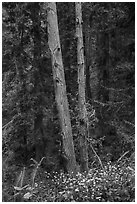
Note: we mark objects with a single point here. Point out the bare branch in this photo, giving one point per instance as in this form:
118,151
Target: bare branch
122,156
109,103
113,89
96,155
7,124
129,123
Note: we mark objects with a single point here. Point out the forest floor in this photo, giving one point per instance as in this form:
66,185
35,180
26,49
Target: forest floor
114,183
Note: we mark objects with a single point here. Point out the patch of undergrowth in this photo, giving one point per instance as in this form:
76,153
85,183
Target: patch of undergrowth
116,183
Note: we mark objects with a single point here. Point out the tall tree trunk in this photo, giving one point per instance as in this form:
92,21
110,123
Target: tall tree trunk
87,32
81,89
106,68
93,67
103,48
38,136
60,86
92,71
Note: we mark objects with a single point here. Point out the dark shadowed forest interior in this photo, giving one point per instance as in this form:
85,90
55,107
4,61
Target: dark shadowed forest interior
68,101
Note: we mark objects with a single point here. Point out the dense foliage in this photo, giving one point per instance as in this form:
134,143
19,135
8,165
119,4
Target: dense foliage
30,119
114,183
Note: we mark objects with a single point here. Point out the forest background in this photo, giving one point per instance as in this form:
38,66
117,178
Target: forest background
96,141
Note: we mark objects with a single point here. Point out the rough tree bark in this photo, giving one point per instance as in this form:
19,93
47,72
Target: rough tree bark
92,68
92,71
81,89
38,125
60,86
87,31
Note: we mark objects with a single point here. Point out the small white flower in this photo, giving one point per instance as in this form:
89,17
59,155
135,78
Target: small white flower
27,195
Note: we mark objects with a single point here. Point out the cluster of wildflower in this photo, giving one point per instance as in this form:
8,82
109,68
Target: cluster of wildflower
114,184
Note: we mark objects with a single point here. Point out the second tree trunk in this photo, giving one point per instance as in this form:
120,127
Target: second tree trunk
83,120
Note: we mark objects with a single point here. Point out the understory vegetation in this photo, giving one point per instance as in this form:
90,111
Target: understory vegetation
113,183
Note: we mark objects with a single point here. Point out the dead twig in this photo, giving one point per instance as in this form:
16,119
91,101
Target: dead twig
7,124
21,178
36,164
122,156
109,103
129,123
100,162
